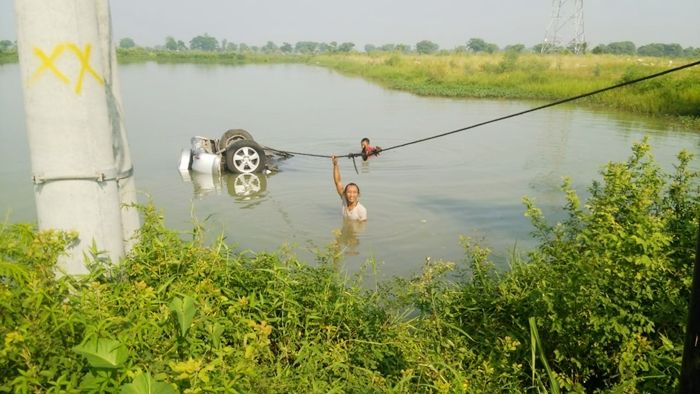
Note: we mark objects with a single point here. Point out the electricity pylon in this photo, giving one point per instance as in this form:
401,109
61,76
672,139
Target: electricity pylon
565,29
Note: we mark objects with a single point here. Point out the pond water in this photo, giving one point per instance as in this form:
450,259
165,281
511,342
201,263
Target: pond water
420,198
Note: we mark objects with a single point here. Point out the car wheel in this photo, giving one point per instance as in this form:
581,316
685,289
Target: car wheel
245,156
233,135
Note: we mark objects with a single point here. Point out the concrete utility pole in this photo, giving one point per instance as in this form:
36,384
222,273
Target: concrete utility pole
81,166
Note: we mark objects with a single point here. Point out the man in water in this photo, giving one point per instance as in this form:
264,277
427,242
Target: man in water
350,195
368,150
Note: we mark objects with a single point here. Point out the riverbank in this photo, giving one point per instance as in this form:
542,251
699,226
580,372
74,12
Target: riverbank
537,77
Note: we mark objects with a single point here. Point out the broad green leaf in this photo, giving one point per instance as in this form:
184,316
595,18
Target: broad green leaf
103,353
145,384
184,311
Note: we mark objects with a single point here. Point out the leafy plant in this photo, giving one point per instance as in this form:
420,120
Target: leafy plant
103,353
184,310
145,384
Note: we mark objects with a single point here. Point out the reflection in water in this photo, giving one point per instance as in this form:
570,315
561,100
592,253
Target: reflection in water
242,187
245,186
347,237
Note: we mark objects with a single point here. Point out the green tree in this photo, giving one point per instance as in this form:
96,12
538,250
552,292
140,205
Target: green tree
476,45
369,48
691,52
126,43
6,45
286,48
403,48
231,47
346,47
326,48
479,45
204,43
426,47
600,49
270,47
306,47
622,48
170,43
660,50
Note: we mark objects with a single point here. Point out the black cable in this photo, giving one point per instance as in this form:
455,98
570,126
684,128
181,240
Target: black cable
566,100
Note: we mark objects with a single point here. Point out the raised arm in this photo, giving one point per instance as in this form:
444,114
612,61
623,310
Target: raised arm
336,176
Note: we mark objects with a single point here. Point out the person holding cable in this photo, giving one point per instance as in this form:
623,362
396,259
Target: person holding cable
369,150
350,196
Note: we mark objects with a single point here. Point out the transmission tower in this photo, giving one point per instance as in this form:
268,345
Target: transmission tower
565,29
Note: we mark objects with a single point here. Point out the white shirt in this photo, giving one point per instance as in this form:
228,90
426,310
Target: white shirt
359,212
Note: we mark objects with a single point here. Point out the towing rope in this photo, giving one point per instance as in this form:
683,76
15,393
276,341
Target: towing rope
566,100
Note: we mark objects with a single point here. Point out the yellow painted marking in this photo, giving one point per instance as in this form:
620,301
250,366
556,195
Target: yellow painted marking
84,58
47,63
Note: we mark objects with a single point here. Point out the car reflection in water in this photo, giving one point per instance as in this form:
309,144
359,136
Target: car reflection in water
247,187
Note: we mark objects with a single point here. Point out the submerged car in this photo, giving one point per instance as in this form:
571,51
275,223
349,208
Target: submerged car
236,151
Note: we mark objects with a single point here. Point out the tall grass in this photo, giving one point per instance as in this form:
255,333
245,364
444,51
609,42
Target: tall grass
533,76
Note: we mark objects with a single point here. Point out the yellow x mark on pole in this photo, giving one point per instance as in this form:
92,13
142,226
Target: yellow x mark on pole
48,63
84,58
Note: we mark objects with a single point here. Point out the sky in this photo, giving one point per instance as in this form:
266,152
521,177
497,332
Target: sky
449,23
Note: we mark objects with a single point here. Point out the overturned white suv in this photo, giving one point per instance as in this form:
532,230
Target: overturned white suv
236,151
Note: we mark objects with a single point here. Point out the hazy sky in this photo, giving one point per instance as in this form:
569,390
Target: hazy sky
448,23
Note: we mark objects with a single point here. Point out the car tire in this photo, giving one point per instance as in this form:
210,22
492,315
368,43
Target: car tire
245,156
233,135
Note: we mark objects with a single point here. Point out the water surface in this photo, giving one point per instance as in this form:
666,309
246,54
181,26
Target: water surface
420,198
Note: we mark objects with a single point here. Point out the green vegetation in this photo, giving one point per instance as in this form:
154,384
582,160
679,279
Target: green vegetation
533,76
599,305
136,55
9,56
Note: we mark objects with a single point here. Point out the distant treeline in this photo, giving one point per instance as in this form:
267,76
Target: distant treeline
474,45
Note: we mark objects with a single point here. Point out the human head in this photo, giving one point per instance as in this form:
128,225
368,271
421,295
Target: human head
351,192
364,142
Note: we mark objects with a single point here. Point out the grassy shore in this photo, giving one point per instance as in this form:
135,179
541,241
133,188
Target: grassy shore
534,76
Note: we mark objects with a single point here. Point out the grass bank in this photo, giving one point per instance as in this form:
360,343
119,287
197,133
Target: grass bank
599,305
534,76
8,57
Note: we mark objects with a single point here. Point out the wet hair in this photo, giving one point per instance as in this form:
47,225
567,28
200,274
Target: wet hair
364,139
351,184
